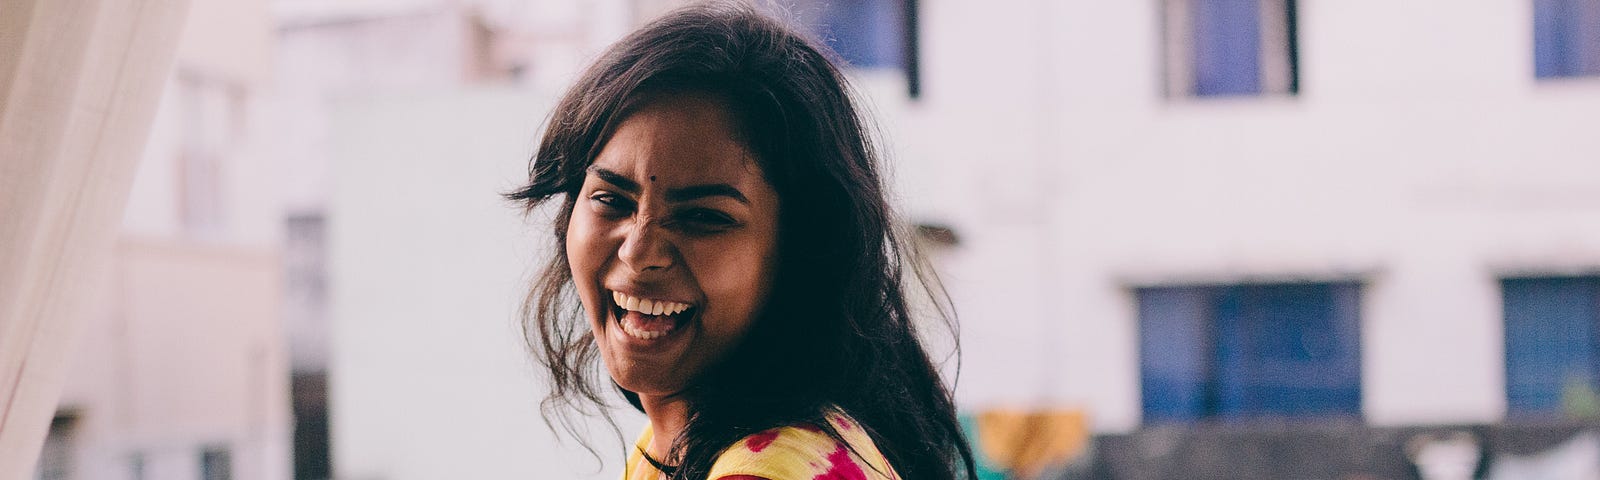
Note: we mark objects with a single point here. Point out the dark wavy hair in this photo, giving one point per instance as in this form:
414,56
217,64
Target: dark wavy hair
838,329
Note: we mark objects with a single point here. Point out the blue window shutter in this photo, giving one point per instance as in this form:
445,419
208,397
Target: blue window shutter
1230,318
1227,47
865,33
1553,32
1174,335
1566,38
1305,351
1343,362
1243,352
1550,340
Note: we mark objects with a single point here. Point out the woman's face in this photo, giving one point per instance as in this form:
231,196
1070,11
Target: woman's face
672,243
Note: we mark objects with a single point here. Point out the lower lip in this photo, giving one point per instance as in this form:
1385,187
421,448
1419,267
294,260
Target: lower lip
616,318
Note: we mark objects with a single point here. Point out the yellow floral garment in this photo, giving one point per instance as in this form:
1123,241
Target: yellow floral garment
796,452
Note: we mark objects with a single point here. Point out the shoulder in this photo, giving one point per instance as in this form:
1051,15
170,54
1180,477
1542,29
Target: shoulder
804,452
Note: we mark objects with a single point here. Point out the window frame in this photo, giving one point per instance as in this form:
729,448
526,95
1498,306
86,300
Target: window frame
1574,57
1191,348
1516,334
1277,56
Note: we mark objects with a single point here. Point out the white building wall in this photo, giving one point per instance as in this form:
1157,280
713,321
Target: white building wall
226,46
187,355
327,55
430,377
428,374
330,53
1421,157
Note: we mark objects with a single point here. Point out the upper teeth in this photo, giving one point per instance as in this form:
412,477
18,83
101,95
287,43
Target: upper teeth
648,306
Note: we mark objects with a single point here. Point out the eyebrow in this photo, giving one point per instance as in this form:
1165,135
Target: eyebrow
681,194
614,178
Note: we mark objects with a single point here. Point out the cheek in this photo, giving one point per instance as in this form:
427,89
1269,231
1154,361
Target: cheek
585,256
736,276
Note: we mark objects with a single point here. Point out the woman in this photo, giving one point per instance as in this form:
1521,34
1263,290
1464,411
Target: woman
724,232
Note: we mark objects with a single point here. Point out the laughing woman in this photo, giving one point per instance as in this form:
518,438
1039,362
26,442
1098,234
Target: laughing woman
725,248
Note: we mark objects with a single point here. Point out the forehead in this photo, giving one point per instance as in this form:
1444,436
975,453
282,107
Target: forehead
679,139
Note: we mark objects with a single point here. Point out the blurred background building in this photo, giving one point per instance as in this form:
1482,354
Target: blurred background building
1186,238
184,374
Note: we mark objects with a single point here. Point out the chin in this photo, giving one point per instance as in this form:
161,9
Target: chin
647,387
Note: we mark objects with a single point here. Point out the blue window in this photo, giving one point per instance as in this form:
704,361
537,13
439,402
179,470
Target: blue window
869,34
1552,342
1242,352
866,33
1231,47
1566,38
1227,47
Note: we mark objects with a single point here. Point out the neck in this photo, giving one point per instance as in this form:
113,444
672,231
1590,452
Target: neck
668,417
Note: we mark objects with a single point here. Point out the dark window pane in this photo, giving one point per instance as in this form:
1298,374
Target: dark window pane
1297,349
1550,341
311,455
136,466
57,454
216,463
1250,351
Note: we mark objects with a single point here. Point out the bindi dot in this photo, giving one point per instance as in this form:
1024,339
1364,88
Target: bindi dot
652,178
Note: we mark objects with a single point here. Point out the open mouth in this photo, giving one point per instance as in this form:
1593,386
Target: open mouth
649,319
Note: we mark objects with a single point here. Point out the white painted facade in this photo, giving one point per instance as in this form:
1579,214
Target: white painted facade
213,103
186,356
334,52
429,375
1421,158
396,123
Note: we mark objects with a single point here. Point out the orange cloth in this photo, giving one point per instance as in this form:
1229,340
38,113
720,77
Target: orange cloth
1025,443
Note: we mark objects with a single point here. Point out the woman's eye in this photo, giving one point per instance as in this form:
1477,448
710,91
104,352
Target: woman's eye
610,203
702,219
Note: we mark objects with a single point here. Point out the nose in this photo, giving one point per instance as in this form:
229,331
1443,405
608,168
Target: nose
646,248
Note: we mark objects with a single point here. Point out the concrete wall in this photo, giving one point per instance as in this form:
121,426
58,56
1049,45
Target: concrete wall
187,354
225,53
1422,157
429,377
323,58
330,53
